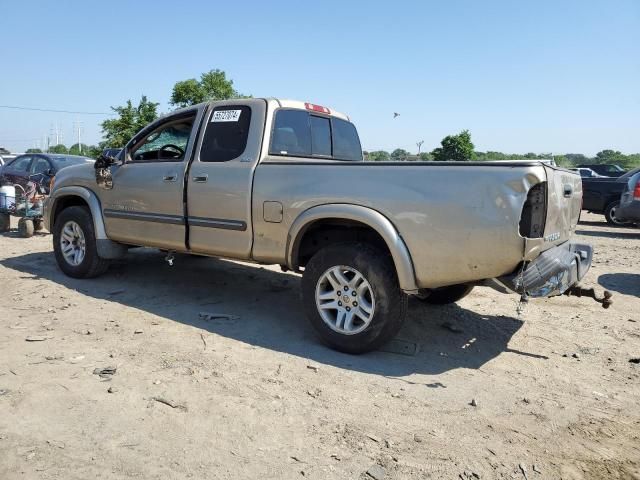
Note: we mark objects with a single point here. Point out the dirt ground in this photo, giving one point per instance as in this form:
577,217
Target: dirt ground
467,391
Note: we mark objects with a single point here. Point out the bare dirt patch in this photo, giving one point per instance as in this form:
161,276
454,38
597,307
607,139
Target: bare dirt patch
208,369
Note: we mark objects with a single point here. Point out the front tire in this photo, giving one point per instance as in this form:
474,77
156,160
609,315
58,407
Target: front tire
352,297
447,295
74,244
610,215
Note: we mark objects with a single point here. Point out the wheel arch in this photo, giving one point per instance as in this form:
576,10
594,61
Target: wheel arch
362,218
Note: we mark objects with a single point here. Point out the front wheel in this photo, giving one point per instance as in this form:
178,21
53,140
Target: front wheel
610,215
351,296
74,244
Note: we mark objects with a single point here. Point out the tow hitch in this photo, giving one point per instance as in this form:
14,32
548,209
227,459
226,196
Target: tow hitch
578,291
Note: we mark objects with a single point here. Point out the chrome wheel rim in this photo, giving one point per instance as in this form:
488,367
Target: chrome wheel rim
72,243
345,300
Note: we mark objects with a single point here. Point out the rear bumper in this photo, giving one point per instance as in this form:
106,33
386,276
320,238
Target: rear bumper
552,272
629,212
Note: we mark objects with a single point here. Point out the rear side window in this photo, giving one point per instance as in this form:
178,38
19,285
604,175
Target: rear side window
20,164
227,133
300,134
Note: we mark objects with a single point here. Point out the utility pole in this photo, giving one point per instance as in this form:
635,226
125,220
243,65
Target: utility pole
77,126
419,144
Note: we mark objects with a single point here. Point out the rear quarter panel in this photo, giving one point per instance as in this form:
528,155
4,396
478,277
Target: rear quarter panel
459,221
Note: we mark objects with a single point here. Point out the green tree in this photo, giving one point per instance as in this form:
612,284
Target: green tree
58,149
92,151
213,85
609,156
33,150
76,150
399,154
379,156
426,157
118,131
458,148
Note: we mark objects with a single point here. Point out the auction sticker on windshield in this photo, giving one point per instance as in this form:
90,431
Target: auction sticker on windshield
226,116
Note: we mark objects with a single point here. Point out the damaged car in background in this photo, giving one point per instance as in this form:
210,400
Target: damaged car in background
284,182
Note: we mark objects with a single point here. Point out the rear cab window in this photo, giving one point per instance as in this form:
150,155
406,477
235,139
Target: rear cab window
299,133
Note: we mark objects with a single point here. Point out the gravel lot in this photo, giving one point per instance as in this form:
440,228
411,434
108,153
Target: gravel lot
467,391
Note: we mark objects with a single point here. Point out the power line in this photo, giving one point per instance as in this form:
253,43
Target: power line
54,111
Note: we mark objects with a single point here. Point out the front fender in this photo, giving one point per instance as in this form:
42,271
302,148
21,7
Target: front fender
367,216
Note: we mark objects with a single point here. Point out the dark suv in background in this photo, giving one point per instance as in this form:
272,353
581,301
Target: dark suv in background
602,195
606,169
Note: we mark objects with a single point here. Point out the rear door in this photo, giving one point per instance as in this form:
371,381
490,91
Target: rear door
564,202
220,178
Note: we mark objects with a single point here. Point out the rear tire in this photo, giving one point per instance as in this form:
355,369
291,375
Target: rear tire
447,295
25,227
353,272
610,215
77,224
5,222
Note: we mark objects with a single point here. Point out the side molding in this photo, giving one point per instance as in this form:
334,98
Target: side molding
107,248
367,216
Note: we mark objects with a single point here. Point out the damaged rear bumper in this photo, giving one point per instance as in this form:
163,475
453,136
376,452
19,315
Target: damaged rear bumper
552,273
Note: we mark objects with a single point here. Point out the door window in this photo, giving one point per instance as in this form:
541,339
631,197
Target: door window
20,164
167,143
40,165
227,133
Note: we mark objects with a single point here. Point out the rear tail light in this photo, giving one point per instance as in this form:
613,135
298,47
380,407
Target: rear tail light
317,108
636,191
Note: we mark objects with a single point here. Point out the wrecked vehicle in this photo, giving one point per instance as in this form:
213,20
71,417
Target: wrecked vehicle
284,182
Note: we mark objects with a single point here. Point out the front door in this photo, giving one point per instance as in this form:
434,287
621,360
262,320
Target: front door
145,206
221,177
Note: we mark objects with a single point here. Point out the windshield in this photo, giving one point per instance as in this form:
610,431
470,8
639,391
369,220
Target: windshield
61,162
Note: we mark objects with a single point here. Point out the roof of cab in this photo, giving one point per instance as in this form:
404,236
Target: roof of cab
273,102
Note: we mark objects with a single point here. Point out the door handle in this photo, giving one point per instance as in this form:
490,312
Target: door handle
170,178
201,178
568,191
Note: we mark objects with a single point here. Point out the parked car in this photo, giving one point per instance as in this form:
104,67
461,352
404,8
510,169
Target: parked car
606,169
602,195
37,167
629,210
284,182
586,173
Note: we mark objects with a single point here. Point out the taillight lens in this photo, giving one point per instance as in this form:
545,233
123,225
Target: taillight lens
636,192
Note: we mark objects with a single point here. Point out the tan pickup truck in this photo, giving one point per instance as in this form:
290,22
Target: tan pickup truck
284,182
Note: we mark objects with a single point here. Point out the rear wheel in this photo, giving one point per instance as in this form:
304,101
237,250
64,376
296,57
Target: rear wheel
74,244
610,214
5,222
351,296
25,227
446,295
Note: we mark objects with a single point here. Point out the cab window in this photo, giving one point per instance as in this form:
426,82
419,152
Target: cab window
227,133
40,165
167,143
20,164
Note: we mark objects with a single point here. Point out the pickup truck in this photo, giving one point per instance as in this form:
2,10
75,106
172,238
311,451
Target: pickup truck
283,182
602,195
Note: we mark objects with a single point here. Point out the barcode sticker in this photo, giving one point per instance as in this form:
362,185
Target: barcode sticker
226,116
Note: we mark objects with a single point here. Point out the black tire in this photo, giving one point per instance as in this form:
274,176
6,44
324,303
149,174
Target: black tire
609,214
379,271
5,222
25,227
91,265
446,295
38,224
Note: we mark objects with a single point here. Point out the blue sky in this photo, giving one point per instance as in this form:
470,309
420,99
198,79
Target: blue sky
543,76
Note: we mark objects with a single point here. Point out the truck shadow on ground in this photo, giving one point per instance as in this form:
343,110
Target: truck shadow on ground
608,234
269,312
625,283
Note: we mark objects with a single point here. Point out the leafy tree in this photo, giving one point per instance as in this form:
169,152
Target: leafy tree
33,150
213,85
576,158
76,150
379,156
455,147
118,131
609,156
426,157
399,154
4,151
92,151
58,149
